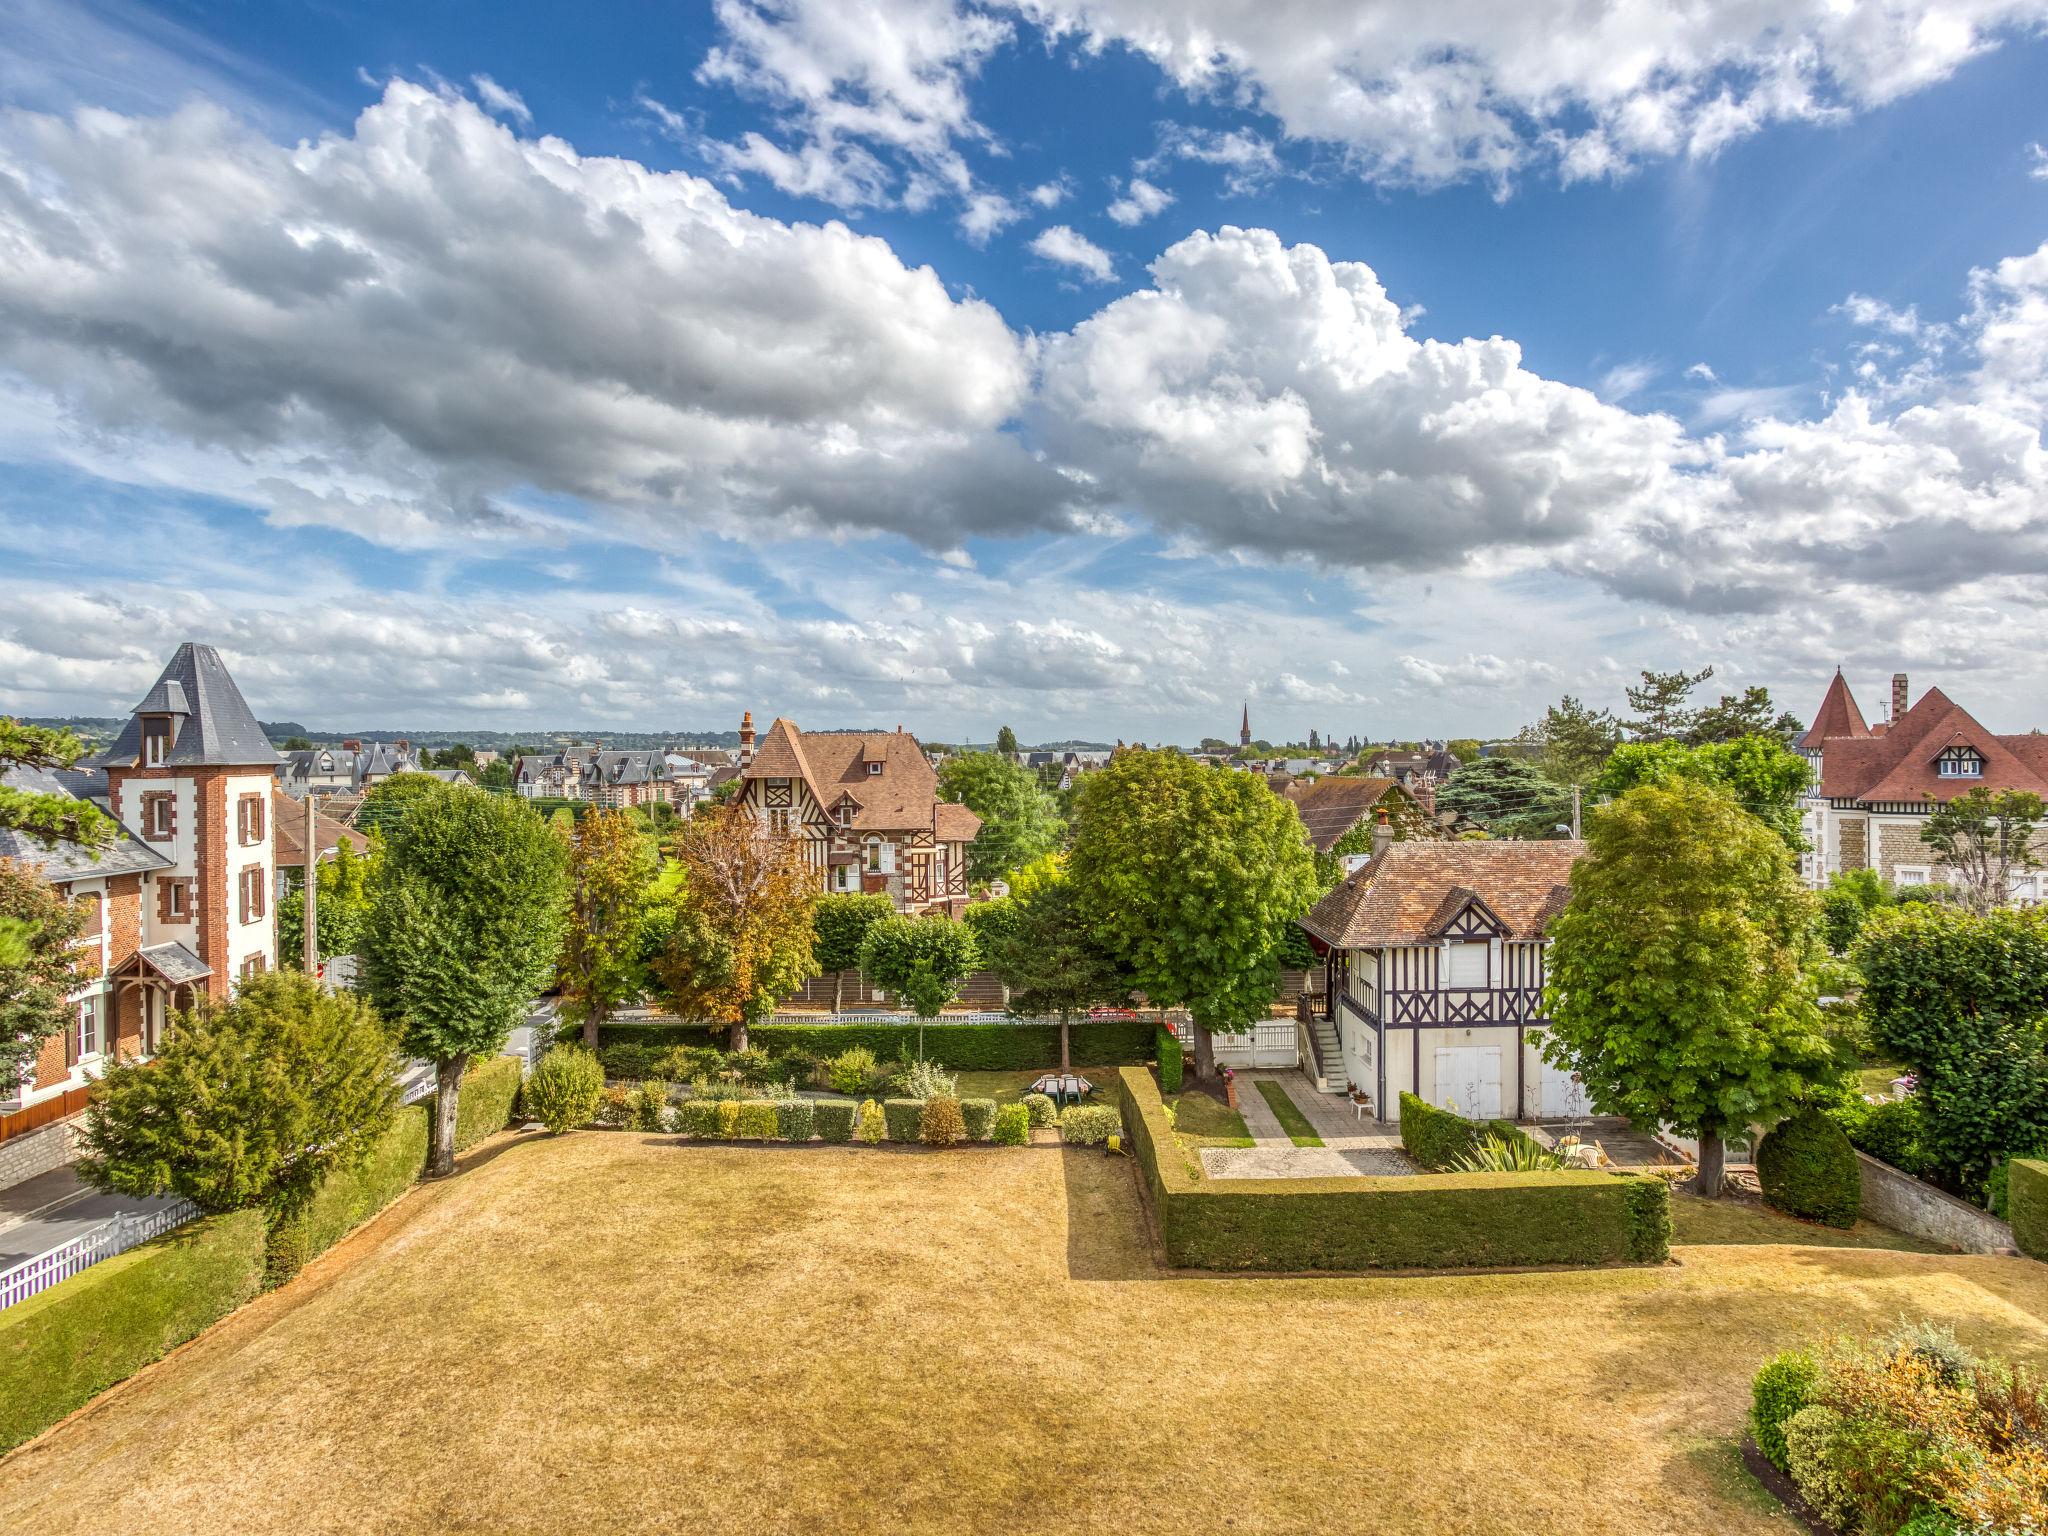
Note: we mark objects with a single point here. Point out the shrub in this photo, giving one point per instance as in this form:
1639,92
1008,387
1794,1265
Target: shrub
683,1063
2027,1204
648,1106
1889,1132
1041,1109
756,1121
699,1118
873,1124
1931,1521
1495,1153
1812,1442
903,1117
833,1119
728,1118
565,1088
924,1080
1089,1125
794,1119
1435,1138
630,1062
483,1105
721,1088
1781,1389
963,1047
851,1070
1806,1167
615,1108
1171,1066
348,1198
942,1124
979,1116
1012,1126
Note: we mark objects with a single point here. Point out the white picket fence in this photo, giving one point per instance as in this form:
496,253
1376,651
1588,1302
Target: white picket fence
1268,1043
117,1234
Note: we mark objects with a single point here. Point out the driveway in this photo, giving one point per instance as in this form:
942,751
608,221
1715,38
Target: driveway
1352,1148
50,1209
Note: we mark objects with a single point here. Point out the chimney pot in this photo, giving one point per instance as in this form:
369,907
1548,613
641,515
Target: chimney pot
1898,694
1382,833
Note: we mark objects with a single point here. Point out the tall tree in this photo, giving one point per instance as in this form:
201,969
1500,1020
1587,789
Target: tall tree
253,1102
1677,969
842,921
48,818
1049,958
610,870
1660,703
1985,837
1759,773
1006,742
1186,874
495,776
386,804
1019,820
922,960
346,881
464,928
1508,797
37,926
1750,714
1572,741
742,938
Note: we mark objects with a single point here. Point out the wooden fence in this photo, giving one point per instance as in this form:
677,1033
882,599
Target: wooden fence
45,1112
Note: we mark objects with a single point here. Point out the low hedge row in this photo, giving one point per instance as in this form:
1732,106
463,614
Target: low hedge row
1430,1221
347,1200
484,1106
1439,1140
830,1120
962,1047
60,1349
2026,1203
1166,1047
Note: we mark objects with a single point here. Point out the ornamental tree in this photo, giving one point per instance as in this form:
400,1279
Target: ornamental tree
842,921
464,928
923,960
741,937
37,926
1759,773
1985,837
610,870
1049,958
254,1102
1508,796
1677,969
1019,820
1962,999
1185,873
49,818
345,885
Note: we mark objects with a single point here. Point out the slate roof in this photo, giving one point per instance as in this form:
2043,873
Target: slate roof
66,861
216,728
1900,765
904,796
174,962
1409,891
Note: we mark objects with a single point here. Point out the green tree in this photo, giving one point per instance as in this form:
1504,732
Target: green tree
1006,742
741,936
1758,772
1048,956
1185,873
1852,895
1660,703
842,921
37,926
922,960
1677,988
464,927
1508,797
345,884
296,744
1019,820
254,1102
386,804
496,776
1572,741
610,870
1464,748
48,818
1962,999
1985,837
1750,714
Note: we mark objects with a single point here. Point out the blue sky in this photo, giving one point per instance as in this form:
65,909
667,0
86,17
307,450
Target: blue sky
508,365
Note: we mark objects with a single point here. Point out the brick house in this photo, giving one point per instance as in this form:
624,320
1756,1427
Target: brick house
1334,807
1874,785
610,779
1419,773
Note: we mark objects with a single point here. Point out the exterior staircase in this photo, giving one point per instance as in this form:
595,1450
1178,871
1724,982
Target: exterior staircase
1323,1059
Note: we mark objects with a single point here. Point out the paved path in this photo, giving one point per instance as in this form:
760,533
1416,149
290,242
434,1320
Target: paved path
1351,1148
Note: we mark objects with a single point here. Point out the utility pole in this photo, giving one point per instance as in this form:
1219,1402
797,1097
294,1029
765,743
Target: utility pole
311,888
1575,811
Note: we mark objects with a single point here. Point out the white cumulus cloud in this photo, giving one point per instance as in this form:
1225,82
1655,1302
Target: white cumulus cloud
1066,247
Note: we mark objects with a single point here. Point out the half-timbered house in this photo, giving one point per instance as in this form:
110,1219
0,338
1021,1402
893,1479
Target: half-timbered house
1434,956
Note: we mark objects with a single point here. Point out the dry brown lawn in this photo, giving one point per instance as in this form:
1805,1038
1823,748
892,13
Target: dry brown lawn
613,1333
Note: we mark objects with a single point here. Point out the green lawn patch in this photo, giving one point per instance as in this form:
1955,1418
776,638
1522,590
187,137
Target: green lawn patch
1709,1222
1289,1114
1202,1121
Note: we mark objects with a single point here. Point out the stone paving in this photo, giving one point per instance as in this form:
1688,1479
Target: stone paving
1351,1147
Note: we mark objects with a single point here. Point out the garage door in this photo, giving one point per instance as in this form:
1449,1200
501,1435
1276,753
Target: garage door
1468,1080
1561,1095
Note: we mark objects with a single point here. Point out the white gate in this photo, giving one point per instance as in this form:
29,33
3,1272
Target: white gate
1268,1043
1468,1080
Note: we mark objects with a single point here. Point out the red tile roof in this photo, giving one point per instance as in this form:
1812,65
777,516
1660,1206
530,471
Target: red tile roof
904,796
1405,894
1901,766
1838,716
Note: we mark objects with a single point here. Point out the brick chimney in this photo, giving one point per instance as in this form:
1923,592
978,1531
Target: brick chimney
1382,833
1898,695
746,738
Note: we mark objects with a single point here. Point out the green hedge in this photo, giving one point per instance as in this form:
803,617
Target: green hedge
904,1117
1806,1167
960,1047
1432,1221
834,1119
1434,1137
1166,1045
347,1200
2027,1201
979,1116
483,1106
59,1349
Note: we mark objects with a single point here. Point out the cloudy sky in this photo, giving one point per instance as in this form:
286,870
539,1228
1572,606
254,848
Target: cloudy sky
1086,365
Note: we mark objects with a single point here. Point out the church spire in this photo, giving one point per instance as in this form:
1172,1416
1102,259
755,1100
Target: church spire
1244,732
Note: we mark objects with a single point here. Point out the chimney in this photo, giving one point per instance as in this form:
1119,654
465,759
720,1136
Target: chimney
1382,833
746,738
1898,695
352,746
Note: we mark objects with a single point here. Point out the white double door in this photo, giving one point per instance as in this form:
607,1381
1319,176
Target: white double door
1468,1080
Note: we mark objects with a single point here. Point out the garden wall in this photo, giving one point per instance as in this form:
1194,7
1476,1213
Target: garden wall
1431,1221
958,1047
1898,1200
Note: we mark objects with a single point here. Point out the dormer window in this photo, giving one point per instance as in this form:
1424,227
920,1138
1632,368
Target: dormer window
873,769
1960,763
157,736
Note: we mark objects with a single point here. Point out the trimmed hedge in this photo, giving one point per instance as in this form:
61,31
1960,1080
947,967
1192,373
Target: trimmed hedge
1781,1389
756,1121
794,1119
1434,1137
1089,1125
1432,1221
1013,1126
699,1118
904,1117
980,1117
1041,1110
2027,1203
962,1047
1166,1044
483,1106
61,1348
346,1200
833,1119
1806,1167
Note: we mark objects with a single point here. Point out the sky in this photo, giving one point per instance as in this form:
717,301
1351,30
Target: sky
1089,366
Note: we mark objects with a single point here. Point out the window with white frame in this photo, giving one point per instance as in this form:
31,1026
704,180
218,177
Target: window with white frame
1960,763
1467,965
89,1042
156,741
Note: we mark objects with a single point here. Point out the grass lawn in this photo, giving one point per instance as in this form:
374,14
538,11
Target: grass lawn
1201,1120
1876,1077
1748,1221
1289,1114
613,1332
1008,1087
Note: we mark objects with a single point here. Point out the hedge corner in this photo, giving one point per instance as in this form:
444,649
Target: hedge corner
2027,1204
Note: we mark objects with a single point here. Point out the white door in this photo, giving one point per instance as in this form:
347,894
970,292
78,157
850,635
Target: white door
1559,1094
1468,1080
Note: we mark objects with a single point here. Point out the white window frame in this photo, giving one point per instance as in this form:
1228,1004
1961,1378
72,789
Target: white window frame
156,749
89,1009
1485,952
1912,874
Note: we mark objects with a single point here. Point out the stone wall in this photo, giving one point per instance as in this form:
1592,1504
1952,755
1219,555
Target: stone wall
1901,1202
52,1146
1898,845
1851,838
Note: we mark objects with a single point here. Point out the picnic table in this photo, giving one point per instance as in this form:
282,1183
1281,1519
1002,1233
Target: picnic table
1063,1087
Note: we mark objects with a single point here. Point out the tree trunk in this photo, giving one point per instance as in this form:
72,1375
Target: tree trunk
590,1025
447,1095
838,990
736,1037
1205,1053
1713,1157
1066,1056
